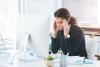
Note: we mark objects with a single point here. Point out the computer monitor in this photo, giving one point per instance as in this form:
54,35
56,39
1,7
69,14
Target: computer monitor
38,28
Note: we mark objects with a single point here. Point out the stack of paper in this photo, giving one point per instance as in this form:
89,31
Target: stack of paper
75,60
71,60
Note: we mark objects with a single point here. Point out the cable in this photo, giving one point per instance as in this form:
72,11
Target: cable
14,57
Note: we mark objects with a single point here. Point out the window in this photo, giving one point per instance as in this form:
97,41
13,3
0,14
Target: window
8,19
84,10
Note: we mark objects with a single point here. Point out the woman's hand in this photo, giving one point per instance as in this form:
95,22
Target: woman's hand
55,30
66,28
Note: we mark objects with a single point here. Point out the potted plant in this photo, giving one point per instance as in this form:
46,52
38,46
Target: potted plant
50,61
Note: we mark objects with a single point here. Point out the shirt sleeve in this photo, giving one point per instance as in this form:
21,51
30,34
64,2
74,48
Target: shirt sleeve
54,44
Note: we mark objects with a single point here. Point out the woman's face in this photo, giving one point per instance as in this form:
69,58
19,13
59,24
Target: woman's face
59,22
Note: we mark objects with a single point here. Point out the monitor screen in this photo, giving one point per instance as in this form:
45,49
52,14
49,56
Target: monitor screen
37,26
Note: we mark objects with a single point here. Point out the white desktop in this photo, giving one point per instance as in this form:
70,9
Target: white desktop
4,59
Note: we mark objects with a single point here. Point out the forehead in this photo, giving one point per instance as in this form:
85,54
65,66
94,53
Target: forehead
58,19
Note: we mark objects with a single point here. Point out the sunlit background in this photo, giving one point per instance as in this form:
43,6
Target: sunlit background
9,10
8,20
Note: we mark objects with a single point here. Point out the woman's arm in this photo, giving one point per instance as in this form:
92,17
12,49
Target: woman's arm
54,44
75,40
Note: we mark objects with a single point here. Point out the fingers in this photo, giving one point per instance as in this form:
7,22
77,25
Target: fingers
64,21
66,27
55,26
56,29
65,24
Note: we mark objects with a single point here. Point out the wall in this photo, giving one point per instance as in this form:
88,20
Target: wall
84,10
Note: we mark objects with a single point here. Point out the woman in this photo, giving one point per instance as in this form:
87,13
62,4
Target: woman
67,35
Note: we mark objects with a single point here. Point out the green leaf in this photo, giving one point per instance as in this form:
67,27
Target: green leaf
50,58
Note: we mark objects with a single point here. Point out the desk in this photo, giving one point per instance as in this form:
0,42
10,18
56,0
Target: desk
41,63
38,63
5,60
95,64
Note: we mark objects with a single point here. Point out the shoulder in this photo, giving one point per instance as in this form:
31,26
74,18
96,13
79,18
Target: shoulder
76,28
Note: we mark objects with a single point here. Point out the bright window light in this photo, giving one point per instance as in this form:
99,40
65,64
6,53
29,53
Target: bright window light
8,19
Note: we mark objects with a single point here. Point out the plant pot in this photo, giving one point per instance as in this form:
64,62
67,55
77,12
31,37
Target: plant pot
98,57
49,63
